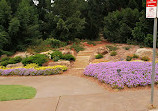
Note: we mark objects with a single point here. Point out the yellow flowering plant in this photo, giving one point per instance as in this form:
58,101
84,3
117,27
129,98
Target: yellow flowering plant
32,65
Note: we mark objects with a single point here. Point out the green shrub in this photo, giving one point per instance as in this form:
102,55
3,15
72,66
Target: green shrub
5,59
145,58
112,48
45,45
68,57
15,60
113,53
8,53
127,48
54,43
135,56
141,46
4,63
99,56
38,48
27,60
77,47
11,61
90,42
77,40
128,58
56,54
38,59
18,59
56,58
148,41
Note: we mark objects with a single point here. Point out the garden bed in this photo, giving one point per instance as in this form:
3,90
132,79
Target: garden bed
32,71
132,74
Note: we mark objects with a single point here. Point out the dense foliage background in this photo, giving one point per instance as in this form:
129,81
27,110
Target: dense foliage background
24,23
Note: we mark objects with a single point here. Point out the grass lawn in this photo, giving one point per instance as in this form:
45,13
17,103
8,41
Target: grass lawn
16,92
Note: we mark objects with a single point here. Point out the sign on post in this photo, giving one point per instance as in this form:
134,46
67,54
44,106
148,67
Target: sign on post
151,8
151,12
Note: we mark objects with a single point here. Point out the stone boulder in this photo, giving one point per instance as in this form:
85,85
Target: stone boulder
22,54
47,53
14,65
102,50
68,51
144,52
66,63
2,56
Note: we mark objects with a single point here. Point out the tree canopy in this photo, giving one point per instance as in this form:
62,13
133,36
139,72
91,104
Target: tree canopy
22,22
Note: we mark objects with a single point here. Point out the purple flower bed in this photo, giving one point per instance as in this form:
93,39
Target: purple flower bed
29,72
132,74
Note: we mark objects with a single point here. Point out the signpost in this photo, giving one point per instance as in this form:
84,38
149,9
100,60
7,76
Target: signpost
151,8
151,12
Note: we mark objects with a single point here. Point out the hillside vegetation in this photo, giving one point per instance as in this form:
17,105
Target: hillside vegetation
54,24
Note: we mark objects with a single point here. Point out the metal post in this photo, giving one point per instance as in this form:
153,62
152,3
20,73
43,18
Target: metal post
153,61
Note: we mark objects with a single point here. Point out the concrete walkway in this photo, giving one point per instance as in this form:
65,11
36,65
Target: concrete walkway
70,92
55,86
82,59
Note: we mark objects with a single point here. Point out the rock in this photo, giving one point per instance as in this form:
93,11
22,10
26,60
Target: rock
68,51
22,54
47,53
4,55
66,63
14,65
144,52
102,50
98,61
92,57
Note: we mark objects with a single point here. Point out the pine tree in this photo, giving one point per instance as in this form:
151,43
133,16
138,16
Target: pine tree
28,29
132,4
5,14
67,18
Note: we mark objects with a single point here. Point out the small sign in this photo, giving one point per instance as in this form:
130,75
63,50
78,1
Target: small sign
151,8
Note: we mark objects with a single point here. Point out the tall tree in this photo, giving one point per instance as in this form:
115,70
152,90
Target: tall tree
67,18
27,28
5,14
142,29
118,25
14,5
133,4
96,10
45,17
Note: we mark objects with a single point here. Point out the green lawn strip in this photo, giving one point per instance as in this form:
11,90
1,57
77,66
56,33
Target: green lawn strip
16,92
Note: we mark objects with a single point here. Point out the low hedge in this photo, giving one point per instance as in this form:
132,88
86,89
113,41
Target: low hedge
6,60
57,55
99,56
38,59
68,57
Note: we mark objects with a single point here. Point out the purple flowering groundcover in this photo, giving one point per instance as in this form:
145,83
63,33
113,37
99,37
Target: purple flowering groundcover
123,73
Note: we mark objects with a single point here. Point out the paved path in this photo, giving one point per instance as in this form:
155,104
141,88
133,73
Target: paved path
54,86
70,92
82,59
